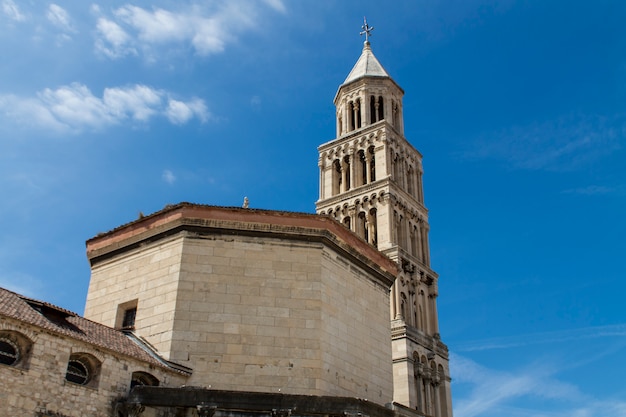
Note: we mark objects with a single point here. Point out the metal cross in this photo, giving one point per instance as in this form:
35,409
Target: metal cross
366,29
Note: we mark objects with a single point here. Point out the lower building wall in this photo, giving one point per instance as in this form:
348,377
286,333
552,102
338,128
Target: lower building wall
36,385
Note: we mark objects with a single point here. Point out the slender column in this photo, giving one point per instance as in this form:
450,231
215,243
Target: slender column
433,302
419,387
368,170
352,170
407,233
425,243
436,396
353,218
394,302
419,251
344,176
320,165
428,392
424,300
397,297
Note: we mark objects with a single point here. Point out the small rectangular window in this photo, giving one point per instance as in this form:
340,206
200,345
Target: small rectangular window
126,315
128,322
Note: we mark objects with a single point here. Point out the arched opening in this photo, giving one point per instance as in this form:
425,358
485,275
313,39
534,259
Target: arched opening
409,183
403,306
414,241
82,369
362,167
361,229
143,379
347,222
15,349
372,228
336,180
380,108
372,164
345,174
373,112
443,400
9,352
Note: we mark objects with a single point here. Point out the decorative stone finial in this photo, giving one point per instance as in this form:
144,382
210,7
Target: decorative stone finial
366,30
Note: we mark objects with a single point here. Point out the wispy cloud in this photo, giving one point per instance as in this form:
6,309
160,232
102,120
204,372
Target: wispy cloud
168,176
513,393
617,330
557,145
10,9
593,190
132,29
60,18
75,108
493,388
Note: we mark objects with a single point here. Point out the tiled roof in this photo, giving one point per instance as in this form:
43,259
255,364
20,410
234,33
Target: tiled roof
64,322
366,66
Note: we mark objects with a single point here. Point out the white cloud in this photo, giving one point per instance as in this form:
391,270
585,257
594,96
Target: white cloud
10,9
277,5
179,112
168,176
206,28
74,107
112,40
515,393
494,389
59,17
140,102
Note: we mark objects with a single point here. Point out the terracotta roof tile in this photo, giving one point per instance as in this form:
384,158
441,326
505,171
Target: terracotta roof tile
64,322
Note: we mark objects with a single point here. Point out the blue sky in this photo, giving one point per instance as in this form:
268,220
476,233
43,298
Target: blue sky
519,108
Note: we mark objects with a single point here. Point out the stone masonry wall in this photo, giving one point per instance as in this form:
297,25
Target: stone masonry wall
148,274
255,313
41,386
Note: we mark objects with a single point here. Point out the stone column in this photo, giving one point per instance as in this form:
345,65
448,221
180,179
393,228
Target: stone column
396,287
368,162
321,166
433,298
352,158
419,250
428,397
420,407
344,176
426,250
436,396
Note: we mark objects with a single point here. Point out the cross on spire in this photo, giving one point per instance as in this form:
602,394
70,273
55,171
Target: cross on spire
366,30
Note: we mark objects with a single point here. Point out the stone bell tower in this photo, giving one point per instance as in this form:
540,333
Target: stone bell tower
371,182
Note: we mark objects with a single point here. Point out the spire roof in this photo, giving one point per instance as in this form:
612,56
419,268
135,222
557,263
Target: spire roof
366,66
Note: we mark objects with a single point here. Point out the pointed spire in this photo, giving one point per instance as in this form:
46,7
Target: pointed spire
366,66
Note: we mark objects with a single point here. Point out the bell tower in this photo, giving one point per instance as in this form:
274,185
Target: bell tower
371,182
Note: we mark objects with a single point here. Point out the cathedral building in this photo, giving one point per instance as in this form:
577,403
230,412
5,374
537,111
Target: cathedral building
199,310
